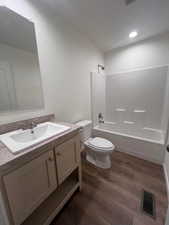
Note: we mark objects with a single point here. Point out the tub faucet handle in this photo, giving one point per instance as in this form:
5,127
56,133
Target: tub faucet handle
100,117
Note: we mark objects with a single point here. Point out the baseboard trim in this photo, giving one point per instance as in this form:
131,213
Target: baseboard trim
166,179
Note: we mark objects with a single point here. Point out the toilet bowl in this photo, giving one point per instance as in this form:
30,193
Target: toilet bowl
98,150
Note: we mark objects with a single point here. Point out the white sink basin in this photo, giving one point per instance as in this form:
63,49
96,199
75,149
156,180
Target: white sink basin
19,140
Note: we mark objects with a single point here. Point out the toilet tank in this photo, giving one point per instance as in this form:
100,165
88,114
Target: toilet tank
86,129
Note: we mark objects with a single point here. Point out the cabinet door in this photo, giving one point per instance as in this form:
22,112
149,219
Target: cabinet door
29,185
66,159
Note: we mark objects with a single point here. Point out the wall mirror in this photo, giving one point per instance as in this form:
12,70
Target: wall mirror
20,78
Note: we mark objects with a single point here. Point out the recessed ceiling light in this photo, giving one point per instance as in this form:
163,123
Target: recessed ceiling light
133,34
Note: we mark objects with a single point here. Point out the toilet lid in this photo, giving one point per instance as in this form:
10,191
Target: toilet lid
101,143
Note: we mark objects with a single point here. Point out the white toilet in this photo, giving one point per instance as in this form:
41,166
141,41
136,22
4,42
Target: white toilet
98,149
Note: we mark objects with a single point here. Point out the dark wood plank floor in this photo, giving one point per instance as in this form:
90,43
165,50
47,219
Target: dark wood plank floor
113,196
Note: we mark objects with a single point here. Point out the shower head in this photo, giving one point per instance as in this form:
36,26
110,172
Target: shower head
100,67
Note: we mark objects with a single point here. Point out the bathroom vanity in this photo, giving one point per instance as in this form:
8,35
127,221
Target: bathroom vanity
37,182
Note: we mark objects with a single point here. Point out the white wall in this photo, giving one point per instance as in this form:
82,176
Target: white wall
98,95
25,75
165,116
148,53
66,59
152,52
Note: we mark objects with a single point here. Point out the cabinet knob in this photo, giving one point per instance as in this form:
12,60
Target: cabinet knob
167,148
50,159
58,154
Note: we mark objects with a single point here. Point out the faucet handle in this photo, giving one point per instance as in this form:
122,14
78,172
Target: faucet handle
101,118
33,124
100,115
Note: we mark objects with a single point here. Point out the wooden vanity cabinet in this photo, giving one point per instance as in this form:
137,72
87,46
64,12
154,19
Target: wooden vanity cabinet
31,186
67,158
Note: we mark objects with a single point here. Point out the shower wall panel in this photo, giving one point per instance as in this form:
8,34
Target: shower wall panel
136,98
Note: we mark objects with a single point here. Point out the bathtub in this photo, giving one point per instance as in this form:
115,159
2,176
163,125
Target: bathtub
145,143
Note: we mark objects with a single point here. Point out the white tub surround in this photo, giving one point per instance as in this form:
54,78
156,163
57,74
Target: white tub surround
145,144
132,105
128,128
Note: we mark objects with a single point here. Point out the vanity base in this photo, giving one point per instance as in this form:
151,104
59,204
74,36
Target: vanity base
48,210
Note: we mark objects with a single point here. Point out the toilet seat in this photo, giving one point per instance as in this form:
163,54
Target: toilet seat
100,144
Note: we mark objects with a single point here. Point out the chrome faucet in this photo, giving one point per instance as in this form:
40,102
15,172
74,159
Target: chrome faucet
101,118
32,126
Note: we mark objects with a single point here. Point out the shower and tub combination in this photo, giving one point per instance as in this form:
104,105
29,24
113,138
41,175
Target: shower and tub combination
131,109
